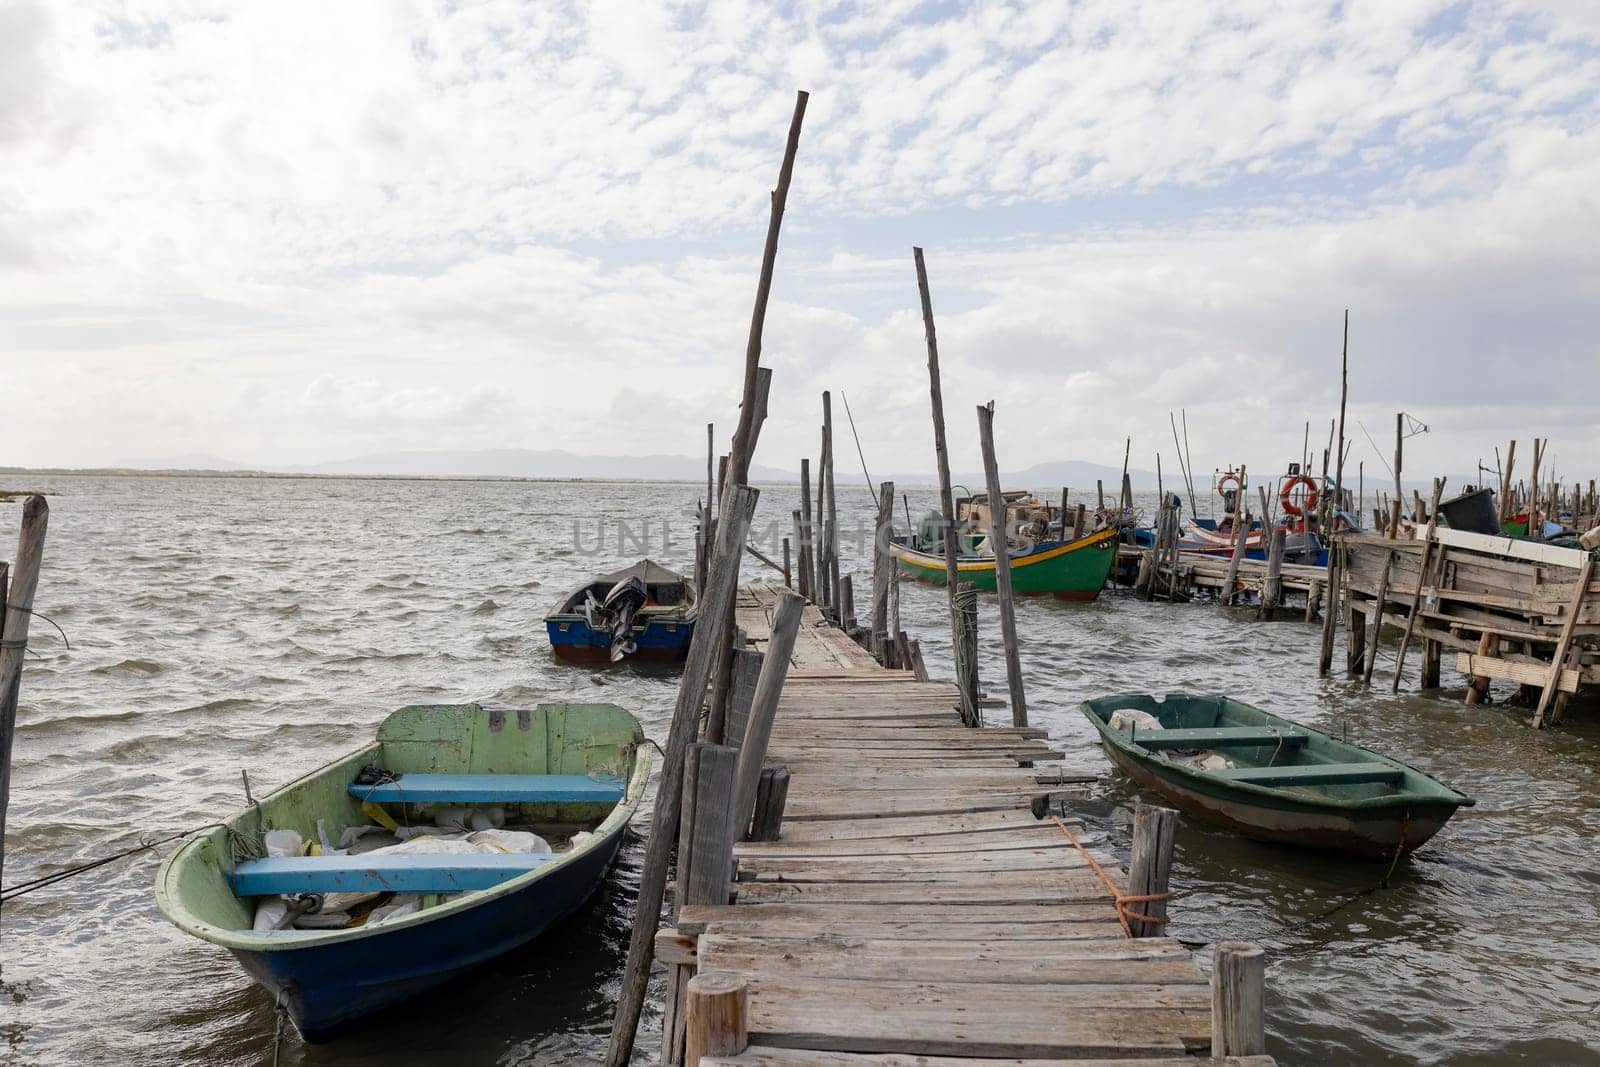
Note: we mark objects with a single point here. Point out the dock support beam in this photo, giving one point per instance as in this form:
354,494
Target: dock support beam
14,625
1238,987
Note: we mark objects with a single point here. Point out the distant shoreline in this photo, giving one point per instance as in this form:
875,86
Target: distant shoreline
126,472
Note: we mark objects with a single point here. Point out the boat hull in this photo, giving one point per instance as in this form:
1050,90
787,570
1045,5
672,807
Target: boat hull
659,640
1071,570
329,987
1371,835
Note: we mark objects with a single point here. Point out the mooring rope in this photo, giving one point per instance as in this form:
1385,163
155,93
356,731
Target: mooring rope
238,842
1122,900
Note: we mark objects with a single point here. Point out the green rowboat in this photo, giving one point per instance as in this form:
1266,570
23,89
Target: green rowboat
571,773
1269,778
1071,570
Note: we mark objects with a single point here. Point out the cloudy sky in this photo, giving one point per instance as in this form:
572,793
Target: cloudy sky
287,232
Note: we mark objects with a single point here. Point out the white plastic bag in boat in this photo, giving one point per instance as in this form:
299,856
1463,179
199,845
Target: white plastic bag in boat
579,839
434,846
1124,719
509,841
281,843
270,911
454,817
407,833
402,905
1215,761
323,920
490,818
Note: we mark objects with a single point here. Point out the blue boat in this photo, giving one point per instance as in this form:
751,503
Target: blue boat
643,612
567,776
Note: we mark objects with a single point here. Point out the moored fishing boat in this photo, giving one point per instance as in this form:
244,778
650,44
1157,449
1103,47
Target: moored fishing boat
1072,570
1269,778
644,612
1046,559
417,897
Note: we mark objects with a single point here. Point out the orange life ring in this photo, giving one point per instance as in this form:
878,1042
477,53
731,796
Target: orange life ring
1232,481
1286,499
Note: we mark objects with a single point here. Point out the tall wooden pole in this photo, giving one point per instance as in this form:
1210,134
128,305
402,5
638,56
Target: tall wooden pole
1344,396
947,507
14,639
1399,449
705,647
744,434
808,540
833,507
1002,565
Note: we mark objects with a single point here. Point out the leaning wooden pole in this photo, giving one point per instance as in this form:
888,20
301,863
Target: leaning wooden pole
739,505
1344,397
14,639
947,507
998,541
744,434
1422,580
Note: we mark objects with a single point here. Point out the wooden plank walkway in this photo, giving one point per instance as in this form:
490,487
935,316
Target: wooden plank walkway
914,910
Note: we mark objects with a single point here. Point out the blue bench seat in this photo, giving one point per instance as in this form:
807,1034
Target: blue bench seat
1316,774
376,873
493,789
1218,737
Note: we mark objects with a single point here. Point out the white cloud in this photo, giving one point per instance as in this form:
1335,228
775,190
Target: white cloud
294,232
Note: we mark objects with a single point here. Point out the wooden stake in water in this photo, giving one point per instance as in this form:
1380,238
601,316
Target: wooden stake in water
999,541
14,638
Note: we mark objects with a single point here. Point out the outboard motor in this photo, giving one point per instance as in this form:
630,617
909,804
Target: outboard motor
618,609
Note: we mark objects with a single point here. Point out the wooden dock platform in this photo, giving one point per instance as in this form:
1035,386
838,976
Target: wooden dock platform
914,910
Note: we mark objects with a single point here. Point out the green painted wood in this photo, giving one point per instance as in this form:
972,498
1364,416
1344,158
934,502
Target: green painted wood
1316,774
1218,737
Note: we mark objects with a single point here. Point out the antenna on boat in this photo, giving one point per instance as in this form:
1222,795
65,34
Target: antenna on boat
857,436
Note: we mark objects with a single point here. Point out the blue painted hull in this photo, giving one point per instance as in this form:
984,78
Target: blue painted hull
331,986
663,640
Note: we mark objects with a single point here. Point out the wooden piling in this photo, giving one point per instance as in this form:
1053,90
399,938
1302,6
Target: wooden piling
847,605
1238,1012
1272,588
18,602
788,578
1377,619
1150,867
1356,637
882,568
764,708
1080,520
1313,597
965,652
706,868
1241,533
1000,543
833,505
1478,687
808,537
772,792
947,513
1422,581
718,1017
738,507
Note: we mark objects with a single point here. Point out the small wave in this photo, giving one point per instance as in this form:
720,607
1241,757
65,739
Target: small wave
142,667
488,607
214,706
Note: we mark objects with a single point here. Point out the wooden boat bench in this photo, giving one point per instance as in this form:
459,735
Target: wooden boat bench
377,873
1218,737
1316,774
492,789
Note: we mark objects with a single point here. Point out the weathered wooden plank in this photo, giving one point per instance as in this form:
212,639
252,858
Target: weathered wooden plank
858,804
768,1056
1004,839
1056,855
937,920
917,825
1526,673
990,1019
953,961
984,891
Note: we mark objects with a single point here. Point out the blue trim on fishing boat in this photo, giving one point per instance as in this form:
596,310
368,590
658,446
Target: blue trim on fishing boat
1315,774
376,872
1217,737
492,789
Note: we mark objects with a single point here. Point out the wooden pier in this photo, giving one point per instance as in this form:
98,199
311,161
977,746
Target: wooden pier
915,903
1196,573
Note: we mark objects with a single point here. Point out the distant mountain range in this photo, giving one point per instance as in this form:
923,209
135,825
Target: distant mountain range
561,464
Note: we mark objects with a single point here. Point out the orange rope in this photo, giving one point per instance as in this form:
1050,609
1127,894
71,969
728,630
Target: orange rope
1122,900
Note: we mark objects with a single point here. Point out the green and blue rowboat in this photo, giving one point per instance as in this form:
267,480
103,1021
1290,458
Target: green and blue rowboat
1071,570
1269,778
572,773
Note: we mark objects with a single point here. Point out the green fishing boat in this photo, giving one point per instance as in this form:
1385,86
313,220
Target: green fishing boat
1072,570
1271,779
